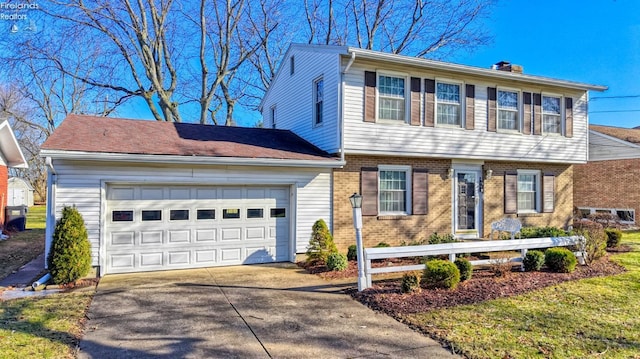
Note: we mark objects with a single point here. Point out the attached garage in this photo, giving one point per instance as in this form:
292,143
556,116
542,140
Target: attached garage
178,196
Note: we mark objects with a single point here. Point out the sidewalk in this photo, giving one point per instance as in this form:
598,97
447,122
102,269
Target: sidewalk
25,275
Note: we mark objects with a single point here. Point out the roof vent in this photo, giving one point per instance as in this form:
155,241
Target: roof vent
508,67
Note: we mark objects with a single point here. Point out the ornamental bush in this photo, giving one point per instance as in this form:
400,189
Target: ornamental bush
70,254
596,239
436,238
337,262
560,259
614,236
382,245
440,273
352,253
321,243
533,261
542,232
465,268
410,283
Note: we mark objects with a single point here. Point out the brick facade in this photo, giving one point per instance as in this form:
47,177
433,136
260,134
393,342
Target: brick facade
397,229
4,190
608,184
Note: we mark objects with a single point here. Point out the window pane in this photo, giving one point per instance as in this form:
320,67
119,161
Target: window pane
626,215
206,214
232,213
527,192
391,98
278,212
551,123
255,213
393,185
448,114
508,99
551,105
179,215
507,120
319,97
154,215
448,93
122,216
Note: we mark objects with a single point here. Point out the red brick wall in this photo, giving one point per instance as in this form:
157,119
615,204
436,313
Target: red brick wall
608,184
4,179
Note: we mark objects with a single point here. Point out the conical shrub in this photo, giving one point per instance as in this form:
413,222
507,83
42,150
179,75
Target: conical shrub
70,255
321,243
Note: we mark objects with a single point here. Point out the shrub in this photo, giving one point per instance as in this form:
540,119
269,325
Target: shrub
436,238
533,261
70,255
596,240
606,219
614,236
337,262
382,245
352,253
321,243
542,232
500,267
465,268
410,283
560,260
440,273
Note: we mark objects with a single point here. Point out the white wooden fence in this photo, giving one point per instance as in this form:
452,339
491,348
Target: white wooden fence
451,249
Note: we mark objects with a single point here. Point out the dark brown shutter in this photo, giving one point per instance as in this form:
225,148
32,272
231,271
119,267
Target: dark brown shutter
369,190
470,114
511,192
415,101
548,192
491,109
369,96
420,191
527,113
568,117
537,114
429,102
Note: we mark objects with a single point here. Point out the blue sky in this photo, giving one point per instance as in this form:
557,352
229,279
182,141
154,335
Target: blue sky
590,41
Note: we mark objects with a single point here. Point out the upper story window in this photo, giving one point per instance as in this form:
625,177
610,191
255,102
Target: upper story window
273,116
391,98
394,184
448,104
292,65
528,191
551,115
318,101
508,118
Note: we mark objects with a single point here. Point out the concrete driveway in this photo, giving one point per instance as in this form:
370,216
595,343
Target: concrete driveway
258,311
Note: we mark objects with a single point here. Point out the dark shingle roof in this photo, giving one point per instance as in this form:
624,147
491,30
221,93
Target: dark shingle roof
626,134
124,136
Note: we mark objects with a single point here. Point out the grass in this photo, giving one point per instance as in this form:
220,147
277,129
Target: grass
24,246
590,318
47,327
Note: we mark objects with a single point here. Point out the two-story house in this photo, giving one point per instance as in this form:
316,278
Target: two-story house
10,156
433,146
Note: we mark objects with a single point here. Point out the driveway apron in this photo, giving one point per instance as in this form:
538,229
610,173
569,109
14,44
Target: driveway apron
258,311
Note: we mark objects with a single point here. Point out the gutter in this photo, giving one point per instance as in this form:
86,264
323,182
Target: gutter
202,160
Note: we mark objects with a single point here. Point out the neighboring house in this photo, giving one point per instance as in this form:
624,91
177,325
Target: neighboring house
159,195
10,156
608,183
20,192
433,146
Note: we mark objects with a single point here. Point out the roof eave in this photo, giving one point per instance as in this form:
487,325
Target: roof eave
202,160
470,70
10,148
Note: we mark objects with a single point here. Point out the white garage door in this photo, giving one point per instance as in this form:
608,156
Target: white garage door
173,227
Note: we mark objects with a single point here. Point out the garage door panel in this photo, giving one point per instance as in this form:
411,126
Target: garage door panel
151,194
205,256
151,259
206,235
179,236
230,254
231,234
149,238
254,233
122,238
179,258
257,255
231,193
122,261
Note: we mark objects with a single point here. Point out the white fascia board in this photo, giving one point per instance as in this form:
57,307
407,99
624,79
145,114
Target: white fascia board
201,160
10,147
470,70
465,157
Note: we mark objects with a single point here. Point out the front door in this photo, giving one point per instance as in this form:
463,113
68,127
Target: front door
467,203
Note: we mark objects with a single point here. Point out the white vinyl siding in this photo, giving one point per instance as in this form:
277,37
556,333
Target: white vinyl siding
603,147
448,104
83,184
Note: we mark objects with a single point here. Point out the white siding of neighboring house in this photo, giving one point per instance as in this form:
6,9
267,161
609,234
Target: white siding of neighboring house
292,96
603,148
81,184
3,162
403,139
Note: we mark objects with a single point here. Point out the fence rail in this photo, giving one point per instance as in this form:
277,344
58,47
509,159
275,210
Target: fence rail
451,249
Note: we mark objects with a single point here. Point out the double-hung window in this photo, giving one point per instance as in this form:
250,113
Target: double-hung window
508,118
318,101
448,106
528,191
394,189
551,115
391,98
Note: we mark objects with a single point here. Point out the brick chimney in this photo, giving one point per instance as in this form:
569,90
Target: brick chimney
508,67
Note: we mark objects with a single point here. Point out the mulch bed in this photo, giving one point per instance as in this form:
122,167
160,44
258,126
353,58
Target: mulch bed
386,296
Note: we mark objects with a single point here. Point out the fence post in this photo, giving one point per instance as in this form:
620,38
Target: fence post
523,253
452,257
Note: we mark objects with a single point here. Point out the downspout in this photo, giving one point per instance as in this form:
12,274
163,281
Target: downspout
52,179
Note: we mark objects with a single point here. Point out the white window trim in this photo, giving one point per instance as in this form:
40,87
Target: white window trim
407,170
562,113
613,211
462,102
315,101
538,185
518,111
407,96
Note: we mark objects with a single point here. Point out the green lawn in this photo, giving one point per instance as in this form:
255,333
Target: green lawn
24,246
590,318
36,217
